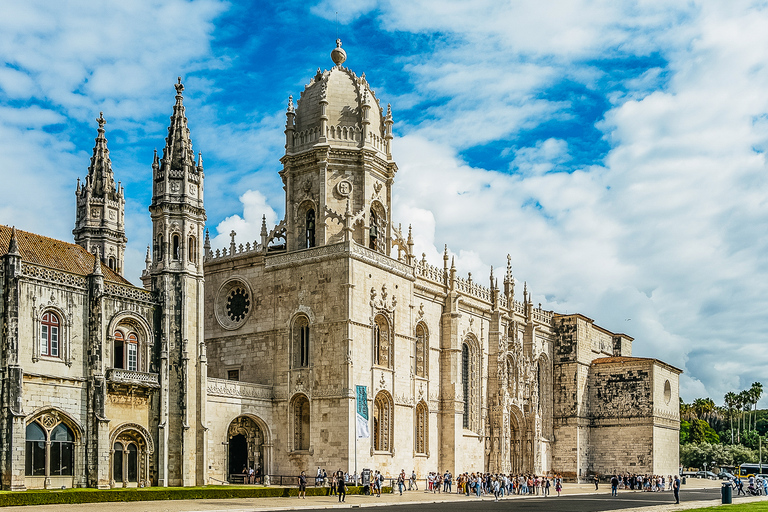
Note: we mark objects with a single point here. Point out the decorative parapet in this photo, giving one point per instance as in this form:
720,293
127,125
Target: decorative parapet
52,276
430,272
222,254
380,260
238,389
469,287
128,292
133,378
542,316
304,256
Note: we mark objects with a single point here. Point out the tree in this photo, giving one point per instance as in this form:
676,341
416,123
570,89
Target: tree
756,392
730,400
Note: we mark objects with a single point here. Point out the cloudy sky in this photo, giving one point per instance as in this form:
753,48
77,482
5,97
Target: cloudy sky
616,150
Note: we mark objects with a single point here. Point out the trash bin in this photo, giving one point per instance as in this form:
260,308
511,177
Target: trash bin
683,480
726,493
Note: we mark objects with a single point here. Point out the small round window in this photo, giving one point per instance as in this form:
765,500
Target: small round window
667,392
233,304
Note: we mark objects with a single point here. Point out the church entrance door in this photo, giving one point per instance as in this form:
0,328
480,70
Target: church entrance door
246,448
238,454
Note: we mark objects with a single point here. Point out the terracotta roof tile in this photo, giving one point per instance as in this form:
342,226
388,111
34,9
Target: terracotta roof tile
52,253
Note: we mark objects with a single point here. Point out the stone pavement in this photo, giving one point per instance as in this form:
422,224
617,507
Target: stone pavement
331,502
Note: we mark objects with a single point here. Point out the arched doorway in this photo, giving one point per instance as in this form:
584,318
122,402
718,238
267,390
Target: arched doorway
245,440
131,449
516,448
238,454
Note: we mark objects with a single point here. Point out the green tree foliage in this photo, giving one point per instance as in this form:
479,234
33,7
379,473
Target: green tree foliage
701,432
696,455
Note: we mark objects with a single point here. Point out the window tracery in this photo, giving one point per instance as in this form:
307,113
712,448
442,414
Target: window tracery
383,426
470,376
422,427
421,361
382,345
301,423
59,457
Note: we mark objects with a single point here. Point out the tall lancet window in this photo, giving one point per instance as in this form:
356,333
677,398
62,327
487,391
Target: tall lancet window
301,342
421,350
310,230
373,231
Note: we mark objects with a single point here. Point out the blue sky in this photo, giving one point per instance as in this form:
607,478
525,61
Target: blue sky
616,150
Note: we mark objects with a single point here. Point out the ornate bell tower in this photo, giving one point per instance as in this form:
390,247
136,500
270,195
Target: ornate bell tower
338,157
176,275
100,222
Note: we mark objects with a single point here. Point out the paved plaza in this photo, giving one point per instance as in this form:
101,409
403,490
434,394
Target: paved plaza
575,498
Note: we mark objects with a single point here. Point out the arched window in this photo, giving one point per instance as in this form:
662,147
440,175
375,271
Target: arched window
421,356
35,454
192,256
62,451
422,427
117,463
49,334
470,381
176,240
382,422
119,350
465,381
133,463
301,342
382,350
126,354
310,229
373,231
59,459
159,248
301,423
132,352
111,262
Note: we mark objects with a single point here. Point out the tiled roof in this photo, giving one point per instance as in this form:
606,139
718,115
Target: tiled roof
52,253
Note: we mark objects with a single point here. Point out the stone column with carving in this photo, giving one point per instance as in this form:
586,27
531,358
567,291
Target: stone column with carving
12,424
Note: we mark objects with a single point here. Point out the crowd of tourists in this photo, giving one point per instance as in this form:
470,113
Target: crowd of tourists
483,484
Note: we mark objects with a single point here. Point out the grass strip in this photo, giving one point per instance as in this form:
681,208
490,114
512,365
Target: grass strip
74,496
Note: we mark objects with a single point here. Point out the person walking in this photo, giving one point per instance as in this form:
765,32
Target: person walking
676,489
614,486
597,480
401,481
341,486
303,485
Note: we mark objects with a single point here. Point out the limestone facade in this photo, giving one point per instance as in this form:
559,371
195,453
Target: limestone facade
252,355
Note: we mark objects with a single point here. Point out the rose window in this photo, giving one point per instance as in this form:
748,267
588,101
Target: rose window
238,304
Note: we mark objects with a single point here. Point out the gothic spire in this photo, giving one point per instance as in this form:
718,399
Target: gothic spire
100,176
178,154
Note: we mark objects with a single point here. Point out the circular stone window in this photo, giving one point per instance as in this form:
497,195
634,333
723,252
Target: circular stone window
667,392
233,304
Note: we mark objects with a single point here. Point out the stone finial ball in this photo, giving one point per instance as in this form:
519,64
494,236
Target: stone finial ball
338,55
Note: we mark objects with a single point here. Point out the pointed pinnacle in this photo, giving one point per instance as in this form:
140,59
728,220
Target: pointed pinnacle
13,246
96,263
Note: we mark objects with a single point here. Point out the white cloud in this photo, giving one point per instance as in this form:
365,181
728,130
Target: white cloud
248,226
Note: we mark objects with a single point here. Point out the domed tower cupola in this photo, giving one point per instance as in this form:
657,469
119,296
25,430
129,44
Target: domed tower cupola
338,150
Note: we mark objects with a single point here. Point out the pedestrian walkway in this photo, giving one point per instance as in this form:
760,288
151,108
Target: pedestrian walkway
355,501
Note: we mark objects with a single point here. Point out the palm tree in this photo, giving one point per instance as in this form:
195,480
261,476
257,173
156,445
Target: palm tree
730,403
756,392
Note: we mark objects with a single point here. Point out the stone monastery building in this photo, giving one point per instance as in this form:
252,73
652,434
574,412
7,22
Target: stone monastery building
253,356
